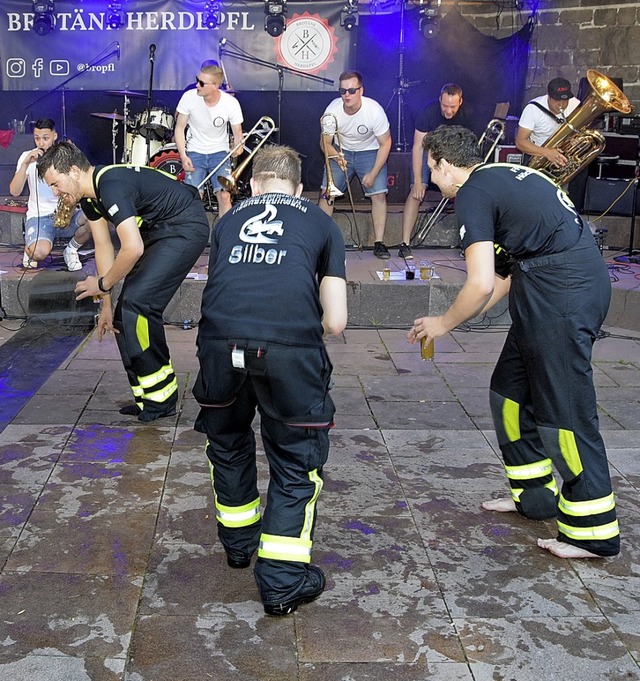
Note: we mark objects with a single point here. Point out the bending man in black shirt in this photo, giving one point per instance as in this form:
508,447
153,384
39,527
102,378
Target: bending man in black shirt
163,230
276,284
448,109
542,394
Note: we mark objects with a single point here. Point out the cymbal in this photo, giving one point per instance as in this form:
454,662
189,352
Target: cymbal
125,93
111,116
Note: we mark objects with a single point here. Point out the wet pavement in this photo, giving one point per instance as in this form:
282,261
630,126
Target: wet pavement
112,568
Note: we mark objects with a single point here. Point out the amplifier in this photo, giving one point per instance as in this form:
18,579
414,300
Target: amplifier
398,183
600,195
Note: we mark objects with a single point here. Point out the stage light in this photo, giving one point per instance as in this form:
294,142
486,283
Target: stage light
275,19
349,17
211,14
429,16
115,16
44,16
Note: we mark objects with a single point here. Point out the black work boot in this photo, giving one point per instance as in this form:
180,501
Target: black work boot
310,588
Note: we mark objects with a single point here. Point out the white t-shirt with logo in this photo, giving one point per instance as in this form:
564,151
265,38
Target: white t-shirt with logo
208,125
359,132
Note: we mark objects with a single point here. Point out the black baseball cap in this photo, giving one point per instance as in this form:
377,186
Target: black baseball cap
559,88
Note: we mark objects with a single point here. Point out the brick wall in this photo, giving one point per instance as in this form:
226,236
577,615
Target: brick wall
570,37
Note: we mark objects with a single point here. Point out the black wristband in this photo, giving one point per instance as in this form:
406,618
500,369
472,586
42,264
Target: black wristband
104,290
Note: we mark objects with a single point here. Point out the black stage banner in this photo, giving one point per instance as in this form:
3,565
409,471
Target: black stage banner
82,53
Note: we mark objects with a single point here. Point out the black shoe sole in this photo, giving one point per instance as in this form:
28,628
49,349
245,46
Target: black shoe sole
287,607
238,564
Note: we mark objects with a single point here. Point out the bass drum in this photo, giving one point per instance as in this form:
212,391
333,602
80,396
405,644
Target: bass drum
167,158
137,149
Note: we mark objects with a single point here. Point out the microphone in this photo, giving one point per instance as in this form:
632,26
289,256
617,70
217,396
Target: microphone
118,50
152,52
222,42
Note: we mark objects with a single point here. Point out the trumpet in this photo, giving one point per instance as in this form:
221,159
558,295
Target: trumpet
329,127
263,129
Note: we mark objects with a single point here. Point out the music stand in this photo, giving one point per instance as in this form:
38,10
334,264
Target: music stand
242,55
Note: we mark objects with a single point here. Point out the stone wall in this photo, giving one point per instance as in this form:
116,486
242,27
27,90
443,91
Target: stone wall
570,37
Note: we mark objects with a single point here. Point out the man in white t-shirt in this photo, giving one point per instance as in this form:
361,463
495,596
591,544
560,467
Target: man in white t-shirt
40,231
209,112
365,138
542,117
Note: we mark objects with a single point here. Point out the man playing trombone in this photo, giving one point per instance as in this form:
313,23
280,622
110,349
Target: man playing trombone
205,147
365,142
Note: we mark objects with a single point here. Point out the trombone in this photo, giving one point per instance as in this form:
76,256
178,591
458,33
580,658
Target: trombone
493,133
329,127
263,129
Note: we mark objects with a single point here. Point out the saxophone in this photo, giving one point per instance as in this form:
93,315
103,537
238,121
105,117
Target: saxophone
62,214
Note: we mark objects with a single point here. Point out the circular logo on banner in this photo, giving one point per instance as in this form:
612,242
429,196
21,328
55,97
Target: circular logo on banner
308,44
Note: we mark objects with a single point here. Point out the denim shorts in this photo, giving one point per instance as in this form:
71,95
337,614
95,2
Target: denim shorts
204,164
426,173
358,163
42,229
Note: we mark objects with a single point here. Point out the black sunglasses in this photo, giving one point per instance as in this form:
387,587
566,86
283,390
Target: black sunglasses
350,90
201,83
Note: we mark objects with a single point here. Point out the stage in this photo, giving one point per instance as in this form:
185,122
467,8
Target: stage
373,302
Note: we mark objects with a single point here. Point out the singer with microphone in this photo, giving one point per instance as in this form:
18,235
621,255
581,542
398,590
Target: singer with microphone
208,112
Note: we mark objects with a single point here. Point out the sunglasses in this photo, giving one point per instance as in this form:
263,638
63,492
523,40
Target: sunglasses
350,90
201,83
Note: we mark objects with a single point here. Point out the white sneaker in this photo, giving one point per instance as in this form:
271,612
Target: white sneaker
27,263
72,259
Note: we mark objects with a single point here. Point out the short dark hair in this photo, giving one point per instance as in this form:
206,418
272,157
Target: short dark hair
455,144
62,157
277,162
451,89
45,124
347,75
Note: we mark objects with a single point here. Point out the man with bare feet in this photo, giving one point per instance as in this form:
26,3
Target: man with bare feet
542,395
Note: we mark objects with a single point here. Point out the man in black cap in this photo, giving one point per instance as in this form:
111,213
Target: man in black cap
542,117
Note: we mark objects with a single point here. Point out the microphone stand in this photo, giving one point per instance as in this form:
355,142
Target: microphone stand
114,48
152,60
241,55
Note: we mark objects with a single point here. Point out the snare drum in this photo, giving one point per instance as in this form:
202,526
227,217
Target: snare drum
157,123
137,149
167,158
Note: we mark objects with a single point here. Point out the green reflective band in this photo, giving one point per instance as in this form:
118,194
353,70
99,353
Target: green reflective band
529,471
238,516
569,450
600,532
162,395
142,332
310,508
587,508
511,419
517,491
285,548
157,377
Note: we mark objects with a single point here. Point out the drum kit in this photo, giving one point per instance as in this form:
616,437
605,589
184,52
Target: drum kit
147,135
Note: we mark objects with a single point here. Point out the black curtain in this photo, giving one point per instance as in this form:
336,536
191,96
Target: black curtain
488,69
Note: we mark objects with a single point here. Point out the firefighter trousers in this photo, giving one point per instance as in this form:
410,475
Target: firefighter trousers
170,251
543,399
289,388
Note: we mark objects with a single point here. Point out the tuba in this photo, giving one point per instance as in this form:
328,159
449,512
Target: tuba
329,126
573,139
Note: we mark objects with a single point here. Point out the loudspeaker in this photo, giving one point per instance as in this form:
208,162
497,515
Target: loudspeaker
601,194
398,171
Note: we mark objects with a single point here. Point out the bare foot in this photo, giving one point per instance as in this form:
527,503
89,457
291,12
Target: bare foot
505,505
562,550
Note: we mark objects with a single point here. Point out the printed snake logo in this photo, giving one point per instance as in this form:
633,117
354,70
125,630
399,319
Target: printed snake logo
256,229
